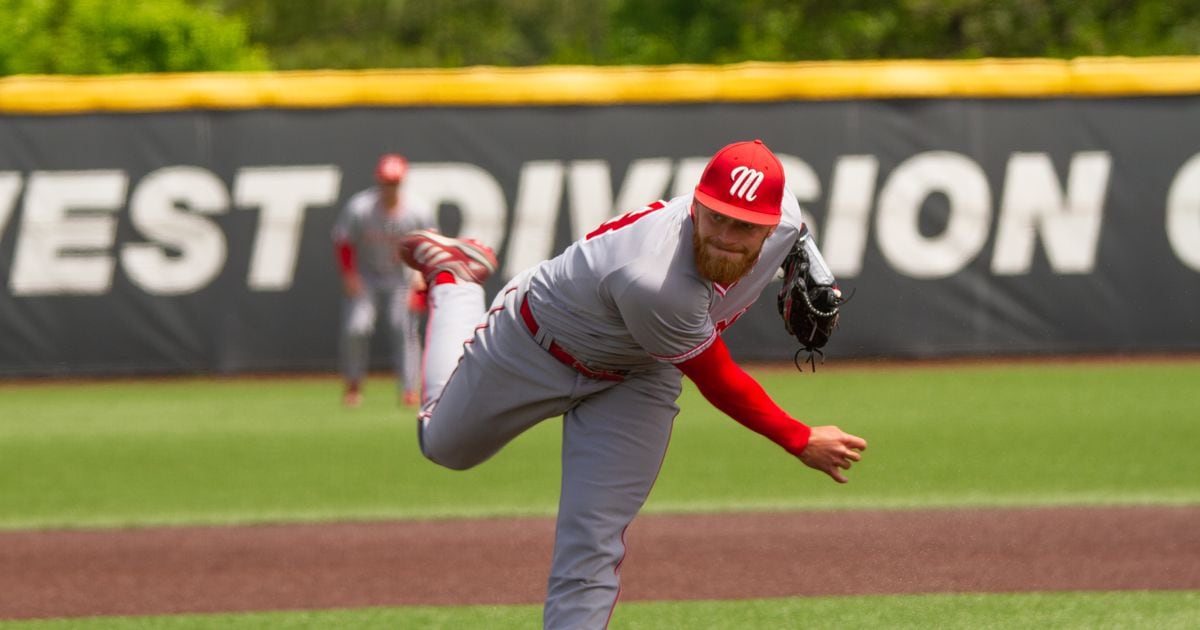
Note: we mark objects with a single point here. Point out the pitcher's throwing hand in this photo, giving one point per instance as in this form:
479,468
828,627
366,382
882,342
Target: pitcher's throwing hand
830,449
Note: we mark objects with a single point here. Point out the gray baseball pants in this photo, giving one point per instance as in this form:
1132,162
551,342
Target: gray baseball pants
359,317
615,435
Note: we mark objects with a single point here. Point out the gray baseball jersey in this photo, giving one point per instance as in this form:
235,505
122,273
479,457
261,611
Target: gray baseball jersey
629,295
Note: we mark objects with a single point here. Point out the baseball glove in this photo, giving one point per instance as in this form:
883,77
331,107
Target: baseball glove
809,302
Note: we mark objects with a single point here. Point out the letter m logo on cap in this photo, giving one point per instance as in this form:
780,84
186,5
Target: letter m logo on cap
745,182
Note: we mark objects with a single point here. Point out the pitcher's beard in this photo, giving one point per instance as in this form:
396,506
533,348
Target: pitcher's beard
719,269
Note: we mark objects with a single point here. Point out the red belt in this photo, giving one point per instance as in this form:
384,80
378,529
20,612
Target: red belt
563,356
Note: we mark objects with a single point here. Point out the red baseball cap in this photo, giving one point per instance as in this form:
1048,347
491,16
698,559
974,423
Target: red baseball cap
744,181
391,169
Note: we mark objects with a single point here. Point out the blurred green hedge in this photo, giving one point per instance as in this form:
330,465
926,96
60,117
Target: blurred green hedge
118,36
110,36
450,33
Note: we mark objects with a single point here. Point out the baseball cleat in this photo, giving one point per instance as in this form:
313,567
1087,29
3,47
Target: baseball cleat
353,396
430,253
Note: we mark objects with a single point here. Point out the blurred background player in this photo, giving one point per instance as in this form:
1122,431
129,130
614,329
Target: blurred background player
365,238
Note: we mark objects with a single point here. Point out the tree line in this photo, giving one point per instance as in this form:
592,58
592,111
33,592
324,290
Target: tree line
117,36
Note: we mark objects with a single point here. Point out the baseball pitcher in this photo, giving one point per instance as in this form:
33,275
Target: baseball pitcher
602,335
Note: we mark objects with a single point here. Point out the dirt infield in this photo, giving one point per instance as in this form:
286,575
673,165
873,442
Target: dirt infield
504,561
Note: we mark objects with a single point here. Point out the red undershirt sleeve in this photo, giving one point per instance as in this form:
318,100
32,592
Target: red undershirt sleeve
345,256
729,388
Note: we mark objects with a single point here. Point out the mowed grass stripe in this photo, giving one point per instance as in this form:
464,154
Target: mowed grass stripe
195,451
1165,610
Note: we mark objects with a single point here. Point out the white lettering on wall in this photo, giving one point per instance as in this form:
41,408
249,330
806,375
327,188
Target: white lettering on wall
589,196
282,194
645,181
539,193
848,215
471,189
687,175
963,183
64,224
589,191
67,232
1033,205
804,183
589,202
1183,213
168,207
10,186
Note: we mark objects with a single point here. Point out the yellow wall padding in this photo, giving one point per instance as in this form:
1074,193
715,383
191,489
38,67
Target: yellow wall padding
597,85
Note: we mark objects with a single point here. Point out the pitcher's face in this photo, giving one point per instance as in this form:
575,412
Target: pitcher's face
725,248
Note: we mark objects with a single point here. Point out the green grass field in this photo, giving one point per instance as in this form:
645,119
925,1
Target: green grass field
1062,611
241,451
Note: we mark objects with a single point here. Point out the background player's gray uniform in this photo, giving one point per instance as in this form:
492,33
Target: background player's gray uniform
373,233
628,299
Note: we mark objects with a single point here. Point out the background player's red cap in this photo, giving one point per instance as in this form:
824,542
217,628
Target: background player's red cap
391,169
744,181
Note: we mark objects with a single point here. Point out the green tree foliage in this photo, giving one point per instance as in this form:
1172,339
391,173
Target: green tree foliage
448,33
770,30
425,33
103,36
111,36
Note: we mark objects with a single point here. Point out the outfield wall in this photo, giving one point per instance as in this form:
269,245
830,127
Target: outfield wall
180,223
